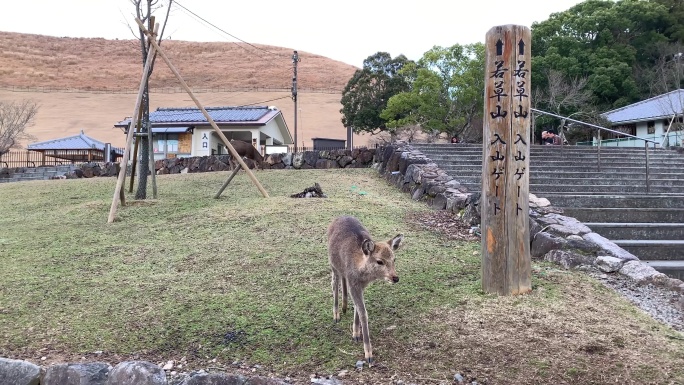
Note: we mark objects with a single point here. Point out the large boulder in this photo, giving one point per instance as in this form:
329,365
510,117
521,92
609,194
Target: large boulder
18,372
94,373
311,157
567,259
298,160
640,272
287,159
228,379
138,373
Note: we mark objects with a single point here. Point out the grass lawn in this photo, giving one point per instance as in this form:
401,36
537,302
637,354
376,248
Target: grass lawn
245,278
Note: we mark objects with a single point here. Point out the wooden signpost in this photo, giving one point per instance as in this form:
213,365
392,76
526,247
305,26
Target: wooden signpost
505,163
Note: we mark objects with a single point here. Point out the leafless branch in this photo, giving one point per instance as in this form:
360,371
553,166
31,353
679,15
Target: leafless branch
15,117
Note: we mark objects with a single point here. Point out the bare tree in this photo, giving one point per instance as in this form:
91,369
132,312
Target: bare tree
144,11
563,95
15,117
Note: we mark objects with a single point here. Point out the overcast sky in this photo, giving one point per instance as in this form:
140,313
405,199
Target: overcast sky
348,30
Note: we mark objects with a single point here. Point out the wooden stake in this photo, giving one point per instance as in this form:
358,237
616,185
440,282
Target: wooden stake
129,136
505,165
218,194
218,131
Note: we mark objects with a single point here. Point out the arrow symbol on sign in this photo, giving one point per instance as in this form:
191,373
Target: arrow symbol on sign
499,47
521,47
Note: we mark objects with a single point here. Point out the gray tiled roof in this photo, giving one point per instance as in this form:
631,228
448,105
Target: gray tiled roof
219,114
173,115
657,107
76,142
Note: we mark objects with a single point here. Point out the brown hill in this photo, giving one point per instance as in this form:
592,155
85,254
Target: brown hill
90,83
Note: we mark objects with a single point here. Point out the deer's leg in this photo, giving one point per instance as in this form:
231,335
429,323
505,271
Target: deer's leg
360,312
335,290
356,326
344,295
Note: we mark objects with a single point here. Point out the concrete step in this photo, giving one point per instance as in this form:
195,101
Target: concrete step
626,215
559,179
673,268
440,156
658,250
616,201
645,231
548,189
634,176
472,166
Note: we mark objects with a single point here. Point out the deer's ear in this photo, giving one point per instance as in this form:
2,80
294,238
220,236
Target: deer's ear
368,246
396,241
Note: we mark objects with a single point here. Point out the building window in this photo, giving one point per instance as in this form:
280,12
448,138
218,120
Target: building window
650,127
167,143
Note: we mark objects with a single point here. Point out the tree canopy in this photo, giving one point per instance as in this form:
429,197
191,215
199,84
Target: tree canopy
604,41
367,92
445,93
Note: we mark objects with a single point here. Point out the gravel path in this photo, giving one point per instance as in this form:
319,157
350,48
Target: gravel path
662,304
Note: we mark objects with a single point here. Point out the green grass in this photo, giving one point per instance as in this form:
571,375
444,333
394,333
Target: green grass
247,278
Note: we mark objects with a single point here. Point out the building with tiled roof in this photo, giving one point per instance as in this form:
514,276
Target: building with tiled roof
77,148
658,118
181,132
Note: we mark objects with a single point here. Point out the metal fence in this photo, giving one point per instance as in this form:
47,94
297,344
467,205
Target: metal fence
168,90
25,158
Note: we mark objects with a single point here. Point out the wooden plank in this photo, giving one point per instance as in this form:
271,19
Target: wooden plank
505,165
517,207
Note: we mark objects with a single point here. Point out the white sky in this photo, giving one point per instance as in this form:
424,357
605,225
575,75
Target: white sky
348,30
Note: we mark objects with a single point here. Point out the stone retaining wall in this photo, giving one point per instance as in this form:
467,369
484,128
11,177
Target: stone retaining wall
357,158
17,372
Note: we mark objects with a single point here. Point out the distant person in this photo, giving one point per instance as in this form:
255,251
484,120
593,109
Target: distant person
454,139
549,138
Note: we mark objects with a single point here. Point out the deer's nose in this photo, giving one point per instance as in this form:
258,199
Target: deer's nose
395,279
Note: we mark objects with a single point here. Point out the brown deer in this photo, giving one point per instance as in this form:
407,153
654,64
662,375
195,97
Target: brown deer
356,261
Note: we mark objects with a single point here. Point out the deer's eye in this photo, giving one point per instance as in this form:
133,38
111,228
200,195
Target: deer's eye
380,262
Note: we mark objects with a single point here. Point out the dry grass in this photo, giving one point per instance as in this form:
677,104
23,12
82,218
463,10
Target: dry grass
99,64
246,279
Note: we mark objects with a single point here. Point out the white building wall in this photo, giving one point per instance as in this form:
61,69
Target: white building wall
203,142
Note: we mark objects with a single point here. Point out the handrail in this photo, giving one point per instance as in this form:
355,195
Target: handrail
593,125
598,147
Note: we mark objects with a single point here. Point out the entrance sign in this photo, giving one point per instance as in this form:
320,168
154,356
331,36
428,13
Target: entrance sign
505,162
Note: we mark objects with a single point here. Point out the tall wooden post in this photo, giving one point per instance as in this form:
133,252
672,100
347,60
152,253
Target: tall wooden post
505,163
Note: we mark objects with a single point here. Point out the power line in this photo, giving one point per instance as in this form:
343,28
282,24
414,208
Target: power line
265,101
196,16
227,33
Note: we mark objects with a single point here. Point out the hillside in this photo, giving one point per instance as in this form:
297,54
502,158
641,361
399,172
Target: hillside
106,75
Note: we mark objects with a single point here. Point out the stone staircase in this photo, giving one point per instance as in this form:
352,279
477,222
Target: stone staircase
35,173
613,202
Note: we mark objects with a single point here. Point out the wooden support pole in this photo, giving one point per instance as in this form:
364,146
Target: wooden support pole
218,131
505,166
232,175
129,138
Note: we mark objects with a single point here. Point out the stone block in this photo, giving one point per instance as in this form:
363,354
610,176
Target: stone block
18,372
93,373
138,373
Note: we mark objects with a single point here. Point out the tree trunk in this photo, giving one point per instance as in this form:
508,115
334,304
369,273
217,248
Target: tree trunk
144,159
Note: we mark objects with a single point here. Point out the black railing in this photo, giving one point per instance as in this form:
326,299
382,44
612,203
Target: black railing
598,144
26,158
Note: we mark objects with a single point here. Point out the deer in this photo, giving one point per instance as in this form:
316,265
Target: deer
356,261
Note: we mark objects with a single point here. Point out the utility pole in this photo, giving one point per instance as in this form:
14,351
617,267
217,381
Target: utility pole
295,60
